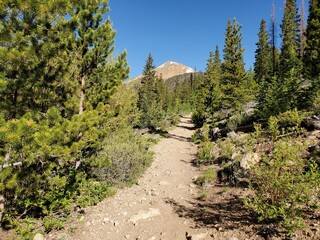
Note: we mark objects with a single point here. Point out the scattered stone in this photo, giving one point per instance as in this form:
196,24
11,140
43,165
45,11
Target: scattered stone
62,236
116,224
88,223
163,183
215,152
232,135
155,137
81,218
39,236
141,215
249,160
143,131
154,193
236,156
199,236
233,238
127,236
214,133
152,238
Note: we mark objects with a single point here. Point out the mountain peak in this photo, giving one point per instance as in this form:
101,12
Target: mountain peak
170,69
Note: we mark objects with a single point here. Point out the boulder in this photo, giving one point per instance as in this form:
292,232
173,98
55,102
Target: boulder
39,236
249,160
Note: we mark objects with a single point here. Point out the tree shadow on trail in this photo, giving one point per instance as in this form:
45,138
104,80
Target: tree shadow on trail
230,214
177,137
227,214
191,128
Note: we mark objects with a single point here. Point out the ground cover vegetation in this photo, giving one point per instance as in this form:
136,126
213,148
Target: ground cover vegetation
68,122
67,119
259,128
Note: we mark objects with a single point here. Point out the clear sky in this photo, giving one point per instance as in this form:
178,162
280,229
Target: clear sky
185,31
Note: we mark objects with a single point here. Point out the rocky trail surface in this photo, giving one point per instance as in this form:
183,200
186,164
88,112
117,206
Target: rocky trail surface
161,206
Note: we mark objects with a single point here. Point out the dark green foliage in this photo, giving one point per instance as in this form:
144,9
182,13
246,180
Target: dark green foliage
234,82
290,67
209,92
54,153
312,49
280,90
58,78
33,57
93,71
262,65
149,101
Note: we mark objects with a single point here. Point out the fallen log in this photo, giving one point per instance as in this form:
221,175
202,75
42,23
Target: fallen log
5,165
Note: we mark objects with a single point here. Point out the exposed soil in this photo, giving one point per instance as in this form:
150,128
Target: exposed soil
165,204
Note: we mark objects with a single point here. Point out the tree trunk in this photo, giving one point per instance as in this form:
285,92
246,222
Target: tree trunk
82,95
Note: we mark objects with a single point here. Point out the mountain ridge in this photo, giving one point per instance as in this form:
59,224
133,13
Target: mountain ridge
170,69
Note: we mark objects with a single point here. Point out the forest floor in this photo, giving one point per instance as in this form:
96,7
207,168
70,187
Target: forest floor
164,204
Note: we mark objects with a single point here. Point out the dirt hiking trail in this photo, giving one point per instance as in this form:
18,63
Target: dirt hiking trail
160,206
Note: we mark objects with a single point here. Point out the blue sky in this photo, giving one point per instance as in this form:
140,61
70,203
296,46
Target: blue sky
185,31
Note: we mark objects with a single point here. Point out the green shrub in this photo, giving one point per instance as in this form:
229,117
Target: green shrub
92,192
198,119
52,223
287,122
286,185
227,148
124,157
204,152
56,155
316,103
208,177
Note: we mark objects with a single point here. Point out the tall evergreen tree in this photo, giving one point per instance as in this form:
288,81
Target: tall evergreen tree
290,67
149,101
95,75
262,68
233,74
33,58
312,50
273,39
213,74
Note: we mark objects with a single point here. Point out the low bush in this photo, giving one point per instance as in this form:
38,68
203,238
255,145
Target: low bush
208,177
284,123
204,153
286,185
124,157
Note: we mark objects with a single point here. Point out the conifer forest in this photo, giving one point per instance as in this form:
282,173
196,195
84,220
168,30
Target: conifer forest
74,130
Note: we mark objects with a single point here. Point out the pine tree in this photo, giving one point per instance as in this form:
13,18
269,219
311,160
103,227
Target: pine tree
289,82
33,58
273,38
149,101
213,74
233,74
95,75
262,68
312,50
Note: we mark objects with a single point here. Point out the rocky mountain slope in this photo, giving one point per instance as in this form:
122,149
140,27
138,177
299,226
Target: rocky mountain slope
169,70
